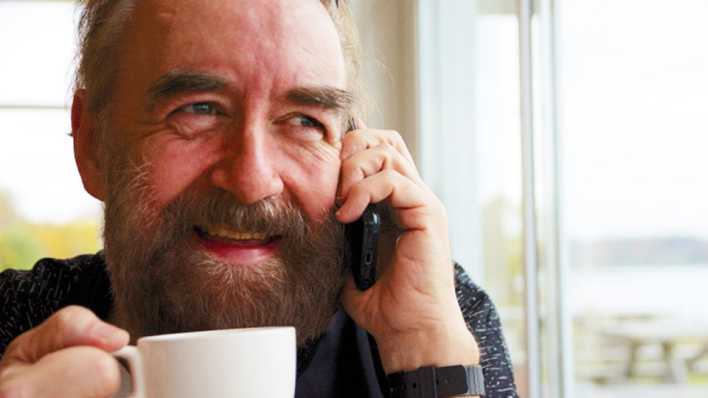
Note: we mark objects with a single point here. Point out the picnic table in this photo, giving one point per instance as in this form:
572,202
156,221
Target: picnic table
668,334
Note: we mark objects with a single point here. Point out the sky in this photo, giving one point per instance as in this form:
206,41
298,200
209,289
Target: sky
633,106
633,95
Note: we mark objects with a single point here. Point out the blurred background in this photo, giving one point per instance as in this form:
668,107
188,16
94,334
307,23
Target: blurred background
566,138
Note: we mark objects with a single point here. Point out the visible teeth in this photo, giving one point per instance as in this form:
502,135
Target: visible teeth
226,233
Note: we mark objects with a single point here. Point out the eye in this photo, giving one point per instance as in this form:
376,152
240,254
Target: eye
192,120
201,108
305,121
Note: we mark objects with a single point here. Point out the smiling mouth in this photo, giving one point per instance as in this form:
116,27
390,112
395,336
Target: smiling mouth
237,248
228,236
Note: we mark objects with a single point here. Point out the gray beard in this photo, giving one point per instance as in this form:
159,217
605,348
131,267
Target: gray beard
163,283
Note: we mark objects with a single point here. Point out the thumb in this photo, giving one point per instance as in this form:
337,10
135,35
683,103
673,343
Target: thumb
69,327
355,301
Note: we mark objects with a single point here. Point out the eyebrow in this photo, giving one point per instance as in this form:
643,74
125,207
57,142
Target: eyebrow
177,82
326,97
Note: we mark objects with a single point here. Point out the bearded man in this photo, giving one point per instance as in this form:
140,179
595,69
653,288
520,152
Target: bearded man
214,132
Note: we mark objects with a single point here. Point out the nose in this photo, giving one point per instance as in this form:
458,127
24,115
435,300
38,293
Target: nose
247,168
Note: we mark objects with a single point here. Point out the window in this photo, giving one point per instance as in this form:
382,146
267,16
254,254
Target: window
44,210
618,227
634,88
470,147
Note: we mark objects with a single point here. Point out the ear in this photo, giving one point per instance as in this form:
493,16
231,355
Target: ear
84,133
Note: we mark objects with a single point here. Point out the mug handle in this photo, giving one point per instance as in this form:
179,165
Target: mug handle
131,355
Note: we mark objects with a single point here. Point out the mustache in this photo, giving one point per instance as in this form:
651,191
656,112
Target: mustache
271,216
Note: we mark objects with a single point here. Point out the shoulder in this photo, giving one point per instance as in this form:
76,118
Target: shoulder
54,279
475,303
27,298
482,319
477,307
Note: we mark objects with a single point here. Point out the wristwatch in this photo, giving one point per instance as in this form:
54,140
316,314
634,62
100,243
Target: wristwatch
432,382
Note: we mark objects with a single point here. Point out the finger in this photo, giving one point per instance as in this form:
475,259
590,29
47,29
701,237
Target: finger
402,194
71,326
372,161
360,123
80,372
363,138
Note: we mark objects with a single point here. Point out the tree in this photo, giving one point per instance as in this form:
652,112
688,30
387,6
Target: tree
22,242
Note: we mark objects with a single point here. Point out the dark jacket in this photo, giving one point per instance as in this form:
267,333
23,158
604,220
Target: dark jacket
343,363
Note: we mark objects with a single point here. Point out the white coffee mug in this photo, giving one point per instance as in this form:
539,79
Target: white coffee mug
256,362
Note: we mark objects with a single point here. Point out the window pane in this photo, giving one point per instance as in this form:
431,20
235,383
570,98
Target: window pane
44,210
470,141
496,113
634,91
37,42
38,169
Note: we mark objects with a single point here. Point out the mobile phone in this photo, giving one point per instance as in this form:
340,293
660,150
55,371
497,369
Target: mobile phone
362,237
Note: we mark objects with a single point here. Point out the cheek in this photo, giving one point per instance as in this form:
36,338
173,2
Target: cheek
175,167
311,177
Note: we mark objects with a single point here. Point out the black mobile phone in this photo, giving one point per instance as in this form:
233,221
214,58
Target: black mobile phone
362,238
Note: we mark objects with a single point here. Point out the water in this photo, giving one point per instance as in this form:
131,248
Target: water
671,290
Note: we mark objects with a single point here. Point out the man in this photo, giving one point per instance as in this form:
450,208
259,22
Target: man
214,131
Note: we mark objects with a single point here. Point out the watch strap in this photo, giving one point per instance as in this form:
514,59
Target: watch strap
432,382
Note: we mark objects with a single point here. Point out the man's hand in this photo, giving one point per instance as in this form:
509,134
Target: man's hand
412,310
66,356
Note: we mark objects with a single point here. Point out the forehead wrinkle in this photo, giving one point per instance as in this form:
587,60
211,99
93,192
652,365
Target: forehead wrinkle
260,50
